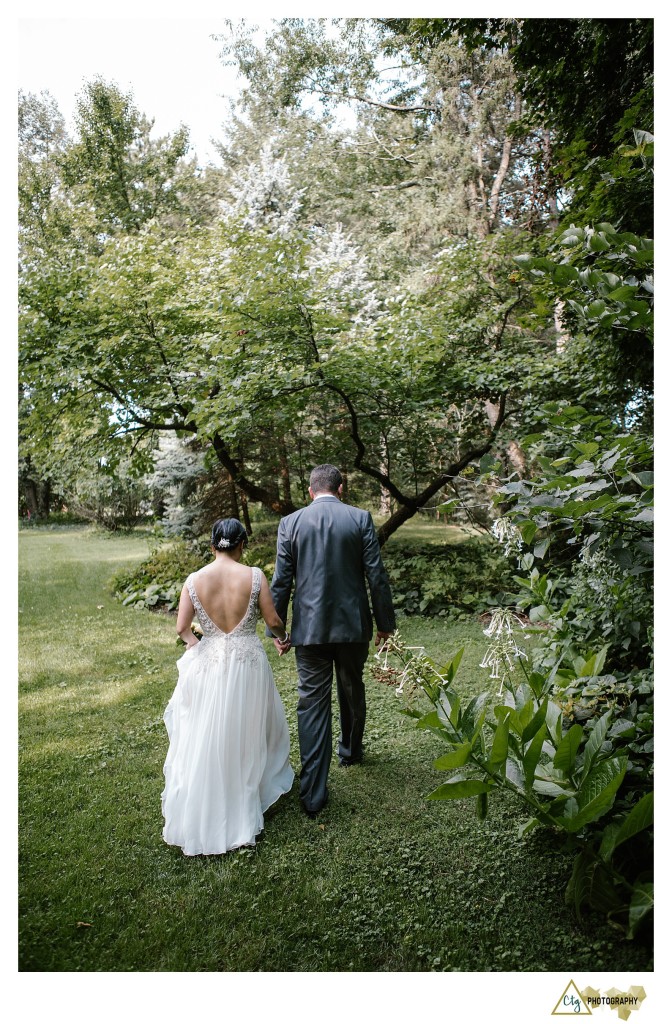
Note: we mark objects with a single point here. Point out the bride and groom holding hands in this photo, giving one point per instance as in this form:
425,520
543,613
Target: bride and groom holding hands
228,755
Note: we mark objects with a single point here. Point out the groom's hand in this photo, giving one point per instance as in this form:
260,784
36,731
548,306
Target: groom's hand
380,636
282,646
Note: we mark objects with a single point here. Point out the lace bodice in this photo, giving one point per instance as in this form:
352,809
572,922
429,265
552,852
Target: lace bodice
242,639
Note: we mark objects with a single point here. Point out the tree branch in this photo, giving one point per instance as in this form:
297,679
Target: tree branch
359,463
271,501
346,97
502,169
397,187
408,510
109,389
390,153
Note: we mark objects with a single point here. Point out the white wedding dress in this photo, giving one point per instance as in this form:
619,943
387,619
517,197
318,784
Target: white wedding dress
228,756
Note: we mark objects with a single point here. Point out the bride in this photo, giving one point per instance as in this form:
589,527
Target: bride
228,755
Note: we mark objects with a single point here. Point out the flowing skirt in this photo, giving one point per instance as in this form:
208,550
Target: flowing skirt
228,755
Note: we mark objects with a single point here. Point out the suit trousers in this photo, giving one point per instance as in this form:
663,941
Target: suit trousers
315,665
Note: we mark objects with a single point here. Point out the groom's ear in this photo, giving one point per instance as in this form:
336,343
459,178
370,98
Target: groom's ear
340,491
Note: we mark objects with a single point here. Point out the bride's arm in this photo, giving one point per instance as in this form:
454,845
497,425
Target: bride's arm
271,617
185,617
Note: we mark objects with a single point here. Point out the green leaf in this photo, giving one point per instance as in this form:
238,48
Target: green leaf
565,755
525,261
578,889
532,755
429,721
593,665
595,742
500,746
542,547
535,723
597,793
528,529
459,790
455,759
646,516
644,478
548,788
564,273
527,826
450,669
488,464
641,904
625,292
514,773
474,709
554,721
597,243
639,818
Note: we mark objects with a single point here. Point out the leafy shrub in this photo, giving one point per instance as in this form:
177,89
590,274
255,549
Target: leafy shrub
588,522
448,579
585,516
578,778
157,581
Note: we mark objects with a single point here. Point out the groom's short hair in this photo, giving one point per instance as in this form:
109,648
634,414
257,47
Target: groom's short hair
325,478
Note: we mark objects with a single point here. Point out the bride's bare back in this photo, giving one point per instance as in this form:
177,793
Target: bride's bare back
224,589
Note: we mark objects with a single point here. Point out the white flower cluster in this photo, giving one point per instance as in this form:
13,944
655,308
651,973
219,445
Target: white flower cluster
410,674
500,655
223,544
265,195
340,273
595,577
508,534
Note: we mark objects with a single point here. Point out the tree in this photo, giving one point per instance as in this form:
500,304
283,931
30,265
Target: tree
230,335
73,196
592,101
353,297
430,156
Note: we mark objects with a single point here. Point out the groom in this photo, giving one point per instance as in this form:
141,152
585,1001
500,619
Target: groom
329,551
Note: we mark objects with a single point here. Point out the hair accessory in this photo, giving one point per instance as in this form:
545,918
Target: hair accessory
223,543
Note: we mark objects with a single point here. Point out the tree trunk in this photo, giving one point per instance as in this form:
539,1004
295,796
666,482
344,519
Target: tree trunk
285,481
554,219
344,475
270,499
231,497
246,513
385,496
502,170
514,452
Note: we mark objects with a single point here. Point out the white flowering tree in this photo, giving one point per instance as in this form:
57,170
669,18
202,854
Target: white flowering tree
263,194
340,278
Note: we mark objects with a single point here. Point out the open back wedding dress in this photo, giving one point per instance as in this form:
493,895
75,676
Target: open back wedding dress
228,756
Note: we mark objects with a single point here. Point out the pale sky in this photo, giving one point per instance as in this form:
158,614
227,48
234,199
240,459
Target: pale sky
162,52
170,64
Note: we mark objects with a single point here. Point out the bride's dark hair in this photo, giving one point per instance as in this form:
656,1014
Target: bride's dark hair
227,534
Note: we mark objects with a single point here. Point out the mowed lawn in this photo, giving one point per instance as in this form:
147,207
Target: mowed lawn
383,881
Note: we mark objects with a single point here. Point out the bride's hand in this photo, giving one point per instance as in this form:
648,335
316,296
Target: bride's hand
282,646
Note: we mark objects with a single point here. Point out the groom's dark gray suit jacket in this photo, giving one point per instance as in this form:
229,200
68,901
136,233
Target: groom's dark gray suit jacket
330,550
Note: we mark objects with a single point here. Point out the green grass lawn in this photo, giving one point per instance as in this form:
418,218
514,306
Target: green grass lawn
383,881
